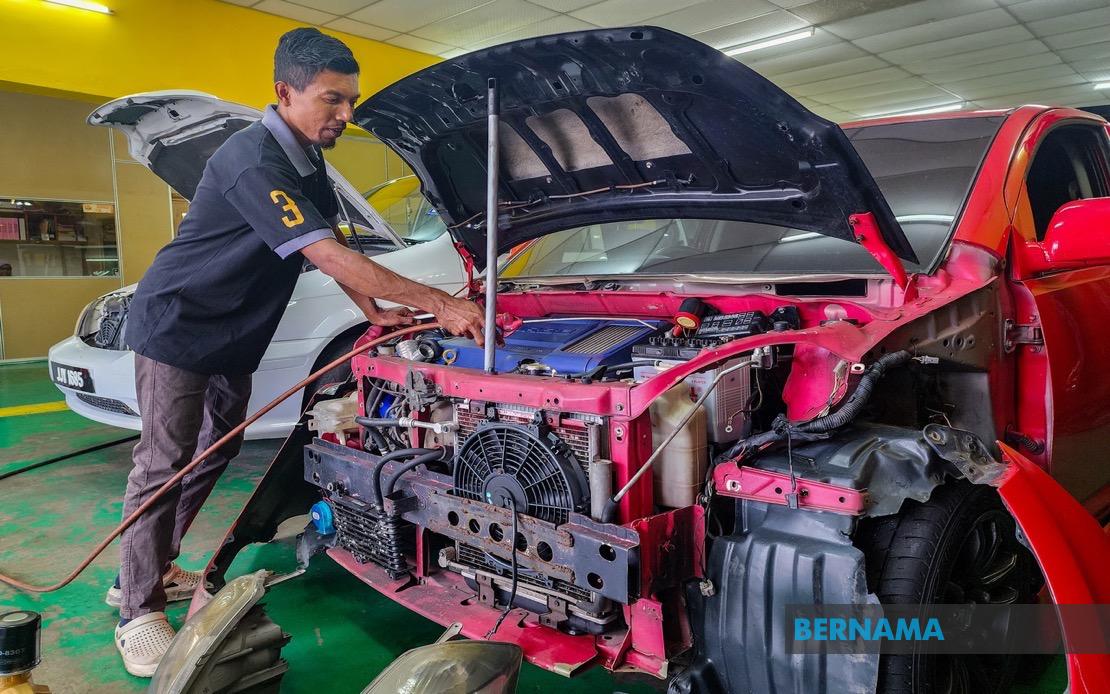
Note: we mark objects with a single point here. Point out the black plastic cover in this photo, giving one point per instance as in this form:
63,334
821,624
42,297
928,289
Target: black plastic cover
19,641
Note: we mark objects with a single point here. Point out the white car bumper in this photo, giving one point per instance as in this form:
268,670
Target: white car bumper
113,401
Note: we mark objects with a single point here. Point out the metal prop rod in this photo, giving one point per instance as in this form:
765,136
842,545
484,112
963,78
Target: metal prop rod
492,168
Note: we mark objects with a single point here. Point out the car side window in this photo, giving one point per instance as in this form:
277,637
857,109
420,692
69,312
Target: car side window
1070,164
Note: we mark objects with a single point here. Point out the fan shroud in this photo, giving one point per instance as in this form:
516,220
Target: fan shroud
527,464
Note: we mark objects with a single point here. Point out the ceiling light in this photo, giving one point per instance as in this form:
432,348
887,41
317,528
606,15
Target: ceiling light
767,43
942,108
83,5
1102,85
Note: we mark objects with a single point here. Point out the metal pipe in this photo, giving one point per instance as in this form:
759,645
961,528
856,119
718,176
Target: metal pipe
601,486
492,169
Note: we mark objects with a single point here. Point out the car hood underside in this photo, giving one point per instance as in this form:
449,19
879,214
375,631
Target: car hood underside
618,124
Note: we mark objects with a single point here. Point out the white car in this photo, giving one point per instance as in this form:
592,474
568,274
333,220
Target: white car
173,134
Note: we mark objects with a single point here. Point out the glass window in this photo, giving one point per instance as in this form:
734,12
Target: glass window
923,168
51,238
1070,164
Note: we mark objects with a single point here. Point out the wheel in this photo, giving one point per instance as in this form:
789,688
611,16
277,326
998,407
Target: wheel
344,343
959,547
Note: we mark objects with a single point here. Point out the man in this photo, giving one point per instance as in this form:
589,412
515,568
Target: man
207,308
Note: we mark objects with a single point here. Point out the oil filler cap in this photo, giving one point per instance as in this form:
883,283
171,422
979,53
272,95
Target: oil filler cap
19,641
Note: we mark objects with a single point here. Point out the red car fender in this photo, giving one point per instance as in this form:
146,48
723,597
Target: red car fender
1071,548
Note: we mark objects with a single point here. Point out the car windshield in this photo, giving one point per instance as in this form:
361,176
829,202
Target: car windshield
924,170
406,210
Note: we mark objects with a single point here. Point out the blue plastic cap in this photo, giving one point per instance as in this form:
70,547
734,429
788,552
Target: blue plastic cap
322,517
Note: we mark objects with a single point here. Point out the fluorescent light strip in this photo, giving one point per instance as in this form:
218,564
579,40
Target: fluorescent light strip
943,108
774,41
83,5
1102,85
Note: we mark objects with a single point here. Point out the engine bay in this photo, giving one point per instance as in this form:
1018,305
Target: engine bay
586,474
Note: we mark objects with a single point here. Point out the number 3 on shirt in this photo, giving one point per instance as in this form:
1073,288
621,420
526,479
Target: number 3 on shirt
279,197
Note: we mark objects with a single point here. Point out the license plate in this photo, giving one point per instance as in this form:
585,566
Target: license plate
72,377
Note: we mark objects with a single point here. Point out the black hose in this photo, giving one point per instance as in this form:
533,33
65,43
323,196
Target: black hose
375,422
67,456
783,428
387,487
388,458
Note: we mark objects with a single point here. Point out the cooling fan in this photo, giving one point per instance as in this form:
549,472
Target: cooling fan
534,468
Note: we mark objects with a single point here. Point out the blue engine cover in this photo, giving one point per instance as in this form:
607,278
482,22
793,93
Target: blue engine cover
568,347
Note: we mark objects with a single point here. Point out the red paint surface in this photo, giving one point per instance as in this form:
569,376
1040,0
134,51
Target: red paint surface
1073,551
744,482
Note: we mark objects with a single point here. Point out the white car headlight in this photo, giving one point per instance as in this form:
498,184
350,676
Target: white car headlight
101,323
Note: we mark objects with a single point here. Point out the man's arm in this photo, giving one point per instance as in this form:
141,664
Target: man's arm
367,305
362,276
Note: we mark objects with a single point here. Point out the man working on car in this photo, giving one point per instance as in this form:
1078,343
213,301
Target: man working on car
207,308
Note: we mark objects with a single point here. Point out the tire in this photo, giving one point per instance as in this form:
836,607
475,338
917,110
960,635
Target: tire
959,547
342,344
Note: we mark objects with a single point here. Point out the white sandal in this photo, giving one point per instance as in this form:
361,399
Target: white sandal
143,641
178,582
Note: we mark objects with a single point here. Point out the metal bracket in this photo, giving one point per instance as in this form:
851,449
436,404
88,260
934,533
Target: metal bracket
966,451
557,613
485,590
770,487
1015,335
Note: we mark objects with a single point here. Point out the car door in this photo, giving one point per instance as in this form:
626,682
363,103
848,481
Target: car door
1061,330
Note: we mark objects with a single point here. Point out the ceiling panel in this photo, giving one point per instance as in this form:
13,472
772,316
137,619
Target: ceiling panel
713,14
850,81
337,7
1071,22
1032,10
614,13
958,44
922,98
362,29
497,17
999,67
802,60
826,71
415,43
563,5
885,89
911,15
1076,38
956,61
406,15
298,12
938,30
759,28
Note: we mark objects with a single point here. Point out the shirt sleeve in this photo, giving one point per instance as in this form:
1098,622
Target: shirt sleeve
272,203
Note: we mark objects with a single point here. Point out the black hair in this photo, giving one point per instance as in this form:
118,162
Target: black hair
305,52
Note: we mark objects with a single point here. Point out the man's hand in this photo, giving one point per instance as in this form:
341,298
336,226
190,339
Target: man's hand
392,316
462,317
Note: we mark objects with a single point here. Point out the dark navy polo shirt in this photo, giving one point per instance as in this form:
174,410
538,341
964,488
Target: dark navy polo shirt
212,299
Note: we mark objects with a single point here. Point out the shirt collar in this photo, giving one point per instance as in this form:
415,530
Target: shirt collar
301,157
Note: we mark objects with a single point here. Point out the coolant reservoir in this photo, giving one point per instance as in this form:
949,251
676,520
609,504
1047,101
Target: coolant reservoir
334,417
680,469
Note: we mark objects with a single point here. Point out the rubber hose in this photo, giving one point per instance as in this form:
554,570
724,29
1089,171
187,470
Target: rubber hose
197,460
67,456
375,422
376,478
387,488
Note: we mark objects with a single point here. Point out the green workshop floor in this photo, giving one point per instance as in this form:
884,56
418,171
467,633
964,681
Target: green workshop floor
343,632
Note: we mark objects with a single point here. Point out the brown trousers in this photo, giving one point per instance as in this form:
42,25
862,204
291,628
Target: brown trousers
183,413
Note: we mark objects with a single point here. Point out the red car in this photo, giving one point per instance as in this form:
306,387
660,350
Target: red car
764,361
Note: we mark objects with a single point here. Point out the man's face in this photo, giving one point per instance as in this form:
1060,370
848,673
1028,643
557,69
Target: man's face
319,114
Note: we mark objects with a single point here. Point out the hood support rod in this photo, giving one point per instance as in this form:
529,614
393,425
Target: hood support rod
493,107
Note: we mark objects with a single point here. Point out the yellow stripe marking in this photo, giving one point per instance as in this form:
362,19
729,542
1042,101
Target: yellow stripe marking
39,408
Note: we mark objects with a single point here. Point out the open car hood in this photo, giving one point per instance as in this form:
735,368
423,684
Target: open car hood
697,133
173,133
